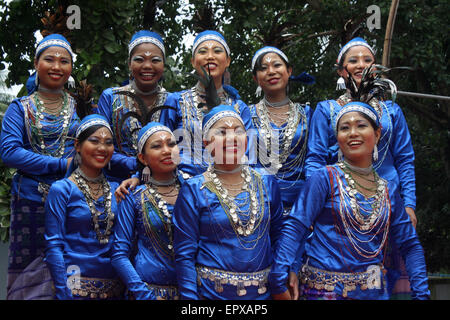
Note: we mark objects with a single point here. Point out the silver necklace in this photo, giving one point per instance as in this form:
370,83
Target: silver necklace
103,237
281,103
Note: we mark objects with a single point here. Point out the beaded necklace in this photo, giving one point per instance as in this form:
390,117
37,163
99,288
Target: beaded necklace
55,128
362,220
108,221
155,207
254,214
296,120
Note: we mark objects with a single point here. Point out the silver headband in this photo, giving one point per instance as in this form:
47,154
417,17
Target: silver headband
210,37
52,43
141,40
217,117
353,44
91,123
351,108
267,50
143,139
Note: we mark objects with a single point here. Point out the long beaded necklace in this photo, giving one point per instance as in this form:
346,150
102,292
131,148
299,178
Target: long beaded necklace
55,129
152,201
82,182
254,214
363,220
287,134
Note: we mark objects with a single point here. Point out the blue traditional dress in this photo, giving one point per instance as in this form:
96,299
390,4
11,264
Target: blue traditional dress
79,263
78,232
396,155
213,260
344,259
114,106
223,244
150,273
38,145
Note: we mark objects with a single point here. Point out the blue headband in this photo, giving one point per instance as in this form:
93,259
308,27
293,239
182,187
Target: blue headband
216,114
352,43
92,120
359,107
148,130
145,36
209,35
53,40
265,50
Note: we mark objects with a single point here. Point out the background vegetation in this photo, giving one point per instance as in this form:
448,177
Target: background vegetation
309,32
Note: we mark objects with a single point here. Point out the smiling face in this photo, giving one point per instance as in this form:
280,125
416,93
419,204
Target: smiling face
146,65
273,74
356,138
161,154
53,67
227,141
212,56
356,59
96,151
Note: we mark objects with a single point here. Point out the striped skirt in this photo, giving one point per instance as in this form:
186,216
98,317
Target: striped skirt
28,277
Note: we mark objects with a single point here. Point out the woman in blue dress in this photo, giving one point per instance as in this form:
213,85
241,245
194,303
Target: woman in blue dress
145,218
353,211
282,125
146,57
37,140
79,218
396,155
210,59
227,220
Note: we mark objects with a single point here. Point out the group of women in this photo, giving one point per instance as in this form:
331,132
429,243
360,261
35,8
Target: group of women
217,199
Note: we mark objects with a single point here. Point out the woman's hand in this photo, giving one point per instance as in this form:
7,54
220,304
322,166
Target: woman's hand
282,296
122,191
412,216
293,285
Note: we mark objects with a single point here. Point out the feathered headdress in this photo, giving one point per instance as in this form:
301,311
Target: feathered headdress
373,85
212,98
83,98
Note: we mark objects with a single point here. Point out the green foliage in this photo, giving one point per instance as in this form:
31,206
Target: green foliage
309,32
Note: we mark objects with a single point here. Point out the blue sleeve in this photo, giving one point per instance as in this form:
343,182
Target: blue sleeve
402,150
55,221
406,239
105,104
13,152
303,214
121,247
186,238
169,117
318,139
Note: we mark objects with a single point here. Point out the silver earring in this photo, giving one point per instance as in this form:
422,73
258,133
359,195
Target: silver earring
77,160
258,91
375,153
340,155
146,173
340,84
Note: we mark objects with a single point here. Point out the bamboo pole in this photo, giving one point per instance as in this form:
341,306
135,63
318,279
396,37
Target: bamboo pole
389,32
